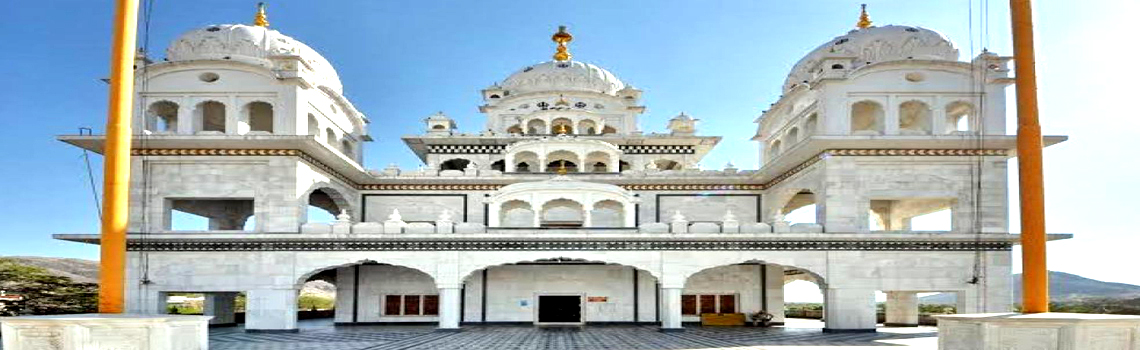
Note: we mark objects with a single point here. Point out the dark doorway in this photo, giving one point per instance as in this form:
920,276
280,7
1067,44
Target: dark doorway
559,309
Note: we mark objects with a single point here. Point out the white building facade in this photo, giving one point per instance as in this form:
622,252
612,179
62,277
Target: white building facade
561,211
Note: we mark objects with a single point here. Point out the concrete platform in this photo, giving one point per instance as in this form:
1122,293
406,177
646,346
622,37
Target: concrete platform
104,331
1061,331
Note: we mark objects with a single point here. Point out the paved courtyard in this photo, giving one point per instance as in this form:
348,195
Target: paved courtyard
799,334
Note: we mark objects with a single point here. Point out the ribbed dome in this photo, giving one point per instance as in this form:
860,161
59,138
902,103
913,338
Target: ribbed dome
562,76
877,44
249,44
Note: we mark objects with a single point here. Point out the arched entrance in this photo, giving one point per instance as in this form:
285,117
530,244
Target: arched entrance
560,290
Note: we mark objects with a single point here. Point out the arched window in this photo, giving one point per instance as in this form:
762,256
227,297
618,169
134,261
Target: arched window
454,164
314,127
587,127
258,116
810,125
522,167
559,161
599,167
561,126
324,205
211,116
960,118
535,127
914,118
623,165
330,137
499,165
774,149
562,213
516,213
515,129
793,135
347,147
162,116
608,130
665,164
607,213
867,118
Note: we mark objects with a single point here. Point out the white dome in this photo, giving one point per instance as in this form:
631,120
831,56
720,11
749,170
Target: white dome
877,44
562,76
249,44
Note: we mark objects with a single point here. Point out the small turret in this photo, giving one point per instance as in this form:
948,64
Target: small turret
440,124
682,125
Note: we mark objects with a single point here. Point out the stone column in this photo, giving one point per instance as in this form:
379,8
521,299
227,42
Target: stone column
185,119
449,308
774,294
221,306
891,116
588,217
902,309
671,309
850,310
271,310
232,112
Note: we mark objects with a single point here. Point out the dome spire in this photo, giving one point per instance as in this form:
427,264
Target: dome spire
864,18
562,38
260,19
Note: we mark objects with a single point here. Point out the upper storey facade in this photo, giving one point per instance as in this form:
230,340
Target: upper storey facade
887,82
246,80
560,116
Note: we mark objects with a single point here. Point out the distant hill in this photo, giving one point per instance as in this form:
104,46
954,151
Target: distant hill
319,288
78,270
1062,287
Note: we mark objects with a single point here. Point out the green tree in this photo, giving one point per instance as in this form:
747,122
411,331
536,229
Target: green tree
46,294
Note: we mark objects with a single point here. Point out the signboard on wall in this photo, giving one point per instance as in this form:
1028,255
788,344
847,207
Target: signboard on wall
597,299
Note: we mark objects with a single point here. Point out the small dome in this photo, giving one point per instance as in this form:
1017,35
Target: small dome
563,76
249,44
877,44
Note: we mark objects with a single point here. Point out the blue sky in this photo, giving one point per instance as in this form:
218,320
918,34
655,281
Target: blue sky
720,61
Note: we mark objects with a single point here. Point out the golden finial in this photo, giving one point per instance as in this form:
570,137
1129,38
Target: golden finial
561,101
260,19
864,19
562,129
562,38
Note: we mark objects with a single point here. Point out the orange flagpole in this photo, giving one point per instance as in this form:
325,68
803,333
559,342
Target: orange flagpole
117,161
1035,275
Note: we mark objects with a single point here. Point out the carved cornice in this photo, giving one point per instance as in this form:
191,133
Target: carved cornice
588,245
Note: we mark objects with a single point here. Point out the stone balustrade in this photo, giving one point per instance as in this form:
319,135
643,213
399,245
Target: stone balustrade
447,227
396,172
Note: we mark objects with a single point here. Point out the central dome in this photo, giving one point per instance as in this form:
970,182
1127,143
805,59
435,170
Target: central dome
876,44
249,44
562,76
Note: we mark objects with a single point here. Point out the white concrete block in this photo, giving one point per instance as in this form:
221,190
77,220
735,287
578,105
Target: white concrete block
394,226
704,227
105,331
654,227
368,227
755,227
419,227
1038,331
470,227
316,227
806,228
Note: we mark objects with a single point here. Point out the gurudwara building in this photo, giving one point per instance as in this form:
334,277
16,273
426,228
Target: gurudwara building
560,209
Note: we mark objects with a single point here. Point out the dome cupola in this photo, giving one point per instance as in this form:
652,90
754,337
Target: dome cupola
252,44
868,44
